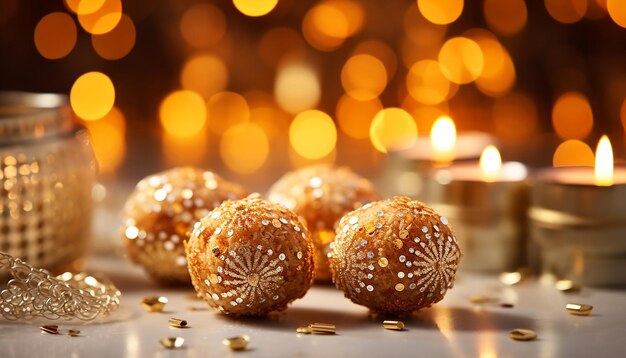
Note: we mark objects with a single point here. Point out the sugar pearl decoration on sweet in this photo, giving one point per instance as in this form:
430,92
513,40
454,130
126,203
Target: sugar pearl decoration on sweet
161,212
394,256
250,257
322,195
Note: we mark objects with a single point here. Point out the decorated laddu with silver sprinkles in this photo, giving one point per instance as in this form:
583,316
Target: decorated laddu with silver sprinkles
161,212
250,257
394,256
322,194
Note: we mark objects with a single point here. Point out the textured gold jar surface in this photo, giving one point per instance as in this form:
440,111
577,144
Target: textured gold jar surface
47,170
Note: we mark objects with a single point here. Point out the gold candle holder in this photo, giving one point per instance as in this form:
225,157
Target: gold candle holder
407,169
47,170
488,217
578,229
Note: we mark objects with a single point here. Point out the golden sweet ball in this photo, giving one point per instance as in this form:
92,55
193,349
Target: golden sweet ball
322,194
250,257
394,256
161,212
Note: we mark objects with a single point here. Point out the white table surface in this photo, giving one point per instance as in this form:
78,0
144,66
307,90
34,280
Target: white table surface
453,327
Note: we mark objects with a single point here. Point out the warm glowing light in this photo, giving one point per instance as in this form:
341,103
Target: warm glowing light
116,43
244,148
364,77
424,36
426,83
108,140
87,6
566,11
327,25
92,96
55,35
505,17
617,11
203,25
573,153
393,129
191,150
461,60
273,121
440,12
490,163
515,118
281,44
297,88
183,113
255,8
443,138
604,163
312,134
572,117
102,20
498,75
205,74
380,51
355,116
225,110
425,116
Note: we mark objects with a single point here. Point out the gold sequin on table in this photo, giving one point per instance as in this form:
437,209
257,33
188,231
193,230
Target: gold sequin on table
523,334
172,342
578,309
238,343
323,328
304,330
154,303
50,329
394,325
481,299
177,323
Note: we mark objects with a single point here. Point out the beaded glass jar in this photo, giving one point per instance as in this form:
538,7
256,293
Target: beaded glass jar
47,170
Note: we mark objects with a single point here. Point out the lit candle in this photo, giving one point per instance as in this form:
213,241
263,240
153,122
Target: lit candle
487,202
443,139
578,221
446,145
406,169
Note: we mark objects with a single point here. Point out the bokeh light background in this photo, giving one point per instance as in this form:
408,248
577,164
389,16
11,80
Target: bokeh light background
253,88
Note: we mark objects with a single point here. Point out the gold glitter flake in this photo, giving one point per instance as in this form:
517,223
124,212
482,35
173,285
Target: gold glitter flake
73,332
172,342
522,334
383,262
51,329
323,328
304,330
236,343
177,323
154,303
578,309
398,243
394,325
276,223
399,287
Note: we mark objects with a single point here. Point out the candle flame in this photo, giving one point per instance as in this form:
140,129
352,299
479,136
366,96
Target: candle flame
443,138
490,163
604,163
